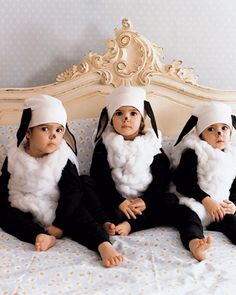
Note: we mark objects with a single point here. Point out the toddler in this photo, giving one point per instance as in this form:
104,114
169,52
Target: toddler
42,196
204,164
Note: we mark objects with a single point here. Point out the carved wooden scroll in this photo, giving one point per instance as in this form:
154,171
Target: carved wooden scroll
130,59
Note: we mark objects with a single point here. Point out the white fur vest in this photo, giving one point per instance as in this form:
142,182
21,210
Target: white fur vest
33,184
130,160
216,171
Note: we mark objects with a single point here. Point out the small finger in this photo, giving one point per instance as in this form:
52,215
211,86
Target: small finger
131,213
217,216
134,209
213,216
227,201
127,214
221,213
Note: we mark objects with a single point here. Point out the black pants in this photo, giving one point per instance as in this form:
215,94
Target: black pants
20,224
180,217
84,229
84,226
227,226
188,223
169,212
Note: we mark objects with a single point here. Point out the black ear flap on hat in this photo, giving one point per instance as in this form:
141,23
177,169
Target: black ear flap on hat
234,121
70,139
102,123
192,121
24,125
149,112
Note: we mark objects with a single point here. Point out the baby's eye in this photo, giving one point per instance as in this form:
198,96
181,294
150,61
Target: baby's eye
225,128
44,128
59,130
118,113
210,129
133,113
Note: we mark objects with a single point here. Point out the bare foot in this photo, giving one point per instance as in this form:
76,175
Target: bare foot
43,242
110,228
199,246
123,229
110,257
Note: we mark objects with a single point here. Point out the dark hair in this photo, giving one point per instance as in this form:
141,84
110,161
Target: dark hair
142,126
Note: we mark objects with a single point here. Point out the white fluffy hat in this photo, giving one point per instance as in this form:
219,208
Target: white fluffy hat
126,96
45,109
206,115
212,113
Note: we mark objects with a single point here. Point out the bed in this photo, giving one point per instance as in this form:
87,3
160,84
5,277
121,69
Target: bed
155,260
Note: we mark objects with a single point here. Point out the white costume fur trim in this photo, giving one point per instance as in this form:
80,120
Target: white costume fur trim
33,184
216,171
130,160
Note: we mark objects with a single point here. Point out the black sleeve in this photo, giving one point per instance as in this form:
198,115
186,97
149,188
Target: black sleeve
71,193
232,196
4,180
100,171
161,179
13,220
185,176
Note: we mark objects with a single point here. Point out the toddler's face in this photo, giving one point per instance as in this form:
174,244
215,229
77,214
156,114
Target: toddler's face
217,135
44,139
126,121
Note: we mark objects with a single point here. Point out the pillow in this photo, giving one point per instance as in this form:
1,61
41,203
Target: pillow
84,133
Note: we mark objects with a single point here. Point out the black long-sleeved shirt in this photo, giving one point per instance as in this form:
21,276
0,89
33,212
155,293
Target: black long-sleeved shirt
70,187
186,179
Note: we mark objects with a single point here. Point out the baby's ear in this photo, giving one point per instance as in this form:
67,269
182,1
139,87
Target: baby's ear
27,134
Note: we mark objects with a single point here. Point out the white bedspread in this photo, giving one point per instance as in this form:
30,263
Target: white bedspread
155,260
155,263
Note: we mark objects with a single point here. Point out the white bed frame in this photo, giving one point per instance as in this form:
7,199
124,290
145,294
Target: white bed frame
155,261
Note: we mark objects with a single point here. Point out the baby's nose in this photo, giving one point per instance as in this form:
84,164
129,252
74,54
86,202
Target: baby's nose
53,136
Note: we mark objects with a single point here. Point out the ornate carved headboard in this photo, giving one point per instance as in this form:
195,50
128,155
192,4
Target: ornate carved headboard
130,59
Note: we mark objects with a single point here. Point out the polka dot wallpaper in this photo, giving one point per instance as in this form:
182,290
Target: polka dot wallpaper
41,38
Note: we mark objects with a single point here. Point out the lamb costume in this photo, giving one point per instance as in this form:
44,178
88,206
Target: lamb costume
28,194
130,160
39,192
31,195
127,169
201,170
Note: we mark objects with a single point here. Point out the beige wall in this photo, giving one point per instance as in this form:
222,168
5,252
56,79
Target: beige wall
40,38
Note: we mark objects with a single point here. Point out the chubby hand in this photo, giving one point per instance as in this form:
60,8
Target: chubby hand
228,206
215,210
124,207
137,206
54,231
